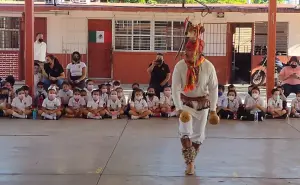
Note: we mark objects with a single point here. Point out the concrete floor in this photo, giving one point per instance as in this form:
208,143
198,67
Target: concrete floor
146,152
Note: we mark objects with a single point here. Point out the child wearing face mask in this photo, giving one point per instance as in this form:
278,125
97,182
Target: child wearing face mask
153,102
27,98
94,111
255,104
103,94
122,98
275,107
230,106
40,95
282,97
65,94
20,108
248,95
116,84
114,106
76,105
231,87
109,88
89,89
37,76
166,103
138,105
295,110
221,98
51,107
134,87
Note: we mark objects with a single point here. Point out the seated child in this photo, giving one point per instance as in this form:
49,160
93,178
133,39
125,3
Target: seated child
230,106
275,107
109,88
3,99
53,86
221,98
37,76
20,107
153,102
116,84
231,87
28,98
248,96
134,87
94,111
255,104
51,107
40,95
166,103
103,94
122,98
9,90
65,94
75,106
138,105
83,94
295,110
114,105
282,97
89,88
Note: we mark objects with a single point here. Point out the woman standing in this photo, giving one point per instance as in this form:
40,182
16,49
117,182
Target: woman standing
76,71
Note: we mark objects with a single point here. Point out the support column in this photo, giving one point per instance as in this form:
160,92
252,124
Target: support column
29,39
271,46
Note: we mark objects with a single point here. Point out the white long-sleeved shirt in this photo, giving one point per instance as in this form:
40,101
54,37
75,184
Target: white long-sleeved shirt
40,49
207,85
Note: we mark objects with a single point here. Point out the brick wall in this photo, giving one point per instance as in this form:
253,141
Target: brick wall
9,61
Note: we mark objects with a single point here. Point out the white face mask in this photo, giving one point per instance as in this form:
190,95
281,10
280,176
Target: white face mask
90,87
231,97
120,94
138,97
96,97
104,90
167,93
76,97
114,97
52,96
255,95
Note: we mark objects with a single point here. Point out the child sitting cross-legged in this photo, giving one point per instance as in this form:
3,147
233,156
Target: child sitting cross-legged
28,98
138,105
51,107
94,110
275,106
167,106
3,100
75,106
89,89
153,102
40,95
122,98
295,110
114,106
65,94
20,108
230,106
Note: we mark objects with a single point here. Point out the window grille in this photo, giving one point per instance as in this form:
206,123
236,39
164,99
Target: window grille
9,33
215,39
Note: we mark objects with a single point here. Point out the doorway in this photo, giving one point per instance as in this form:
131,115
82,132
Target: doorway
241,52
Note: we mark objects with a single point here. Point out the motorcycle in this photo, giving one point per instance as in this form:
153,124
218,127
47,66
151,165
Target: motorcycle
259,74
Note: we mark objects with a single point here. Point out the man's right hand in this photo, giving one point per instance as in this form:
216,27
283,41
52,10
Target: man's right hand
154,63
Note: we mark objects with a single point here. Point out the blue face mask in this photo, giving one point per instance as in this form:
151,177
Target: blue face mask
220,94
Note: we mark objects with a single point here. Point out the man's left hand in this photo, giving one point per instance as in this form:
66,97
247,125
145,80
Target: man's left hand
213,118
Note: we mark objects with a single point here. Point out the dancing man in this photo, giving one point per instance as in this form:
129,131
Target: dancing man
195,92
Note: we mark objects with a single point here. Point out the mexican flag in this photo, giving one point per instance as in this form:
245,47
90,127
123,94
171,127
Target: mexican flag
97,36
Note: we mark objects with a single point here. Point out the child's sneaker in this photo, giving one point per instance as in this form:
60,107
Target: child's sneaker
146,117
134,117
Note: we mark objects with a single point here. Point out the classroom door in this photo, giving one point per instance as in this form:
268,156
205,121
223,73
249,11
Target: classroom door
100,49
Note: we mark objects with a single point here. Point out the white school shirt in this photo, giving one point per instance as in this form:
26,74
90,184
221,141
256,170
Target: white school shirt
239,99
40,49
231,104
76,104
65,96
221,100
275,104
36,79
123,101
207,85
114,104
139,105
51,105
296,104
28,101
247,97
18,103
76,69
104,98
164,100
153,102
251,102
93,104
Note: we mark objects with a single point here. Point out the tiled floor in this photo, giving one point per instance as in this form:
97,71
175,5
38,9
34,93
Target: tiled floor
146,152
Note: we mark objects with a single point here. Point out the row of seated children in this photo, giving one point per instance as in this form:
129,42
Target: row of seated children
107,101
231,106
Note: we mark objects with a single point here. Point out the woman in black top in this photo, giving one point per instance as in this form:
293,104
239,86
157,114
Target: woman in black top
53,72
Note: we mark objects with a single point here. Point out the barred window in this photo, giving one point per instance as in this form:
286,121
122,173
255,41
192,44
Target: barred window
9,32
168,35
132,35
215,39
261,38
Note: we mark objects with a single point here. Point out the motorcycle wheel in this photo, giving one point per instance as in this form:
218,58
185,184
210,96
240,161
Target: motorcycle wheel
258,78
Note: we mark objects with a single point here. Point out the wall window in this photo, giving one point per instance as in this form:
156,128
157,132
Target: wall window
261,38
215,39
9,32
132,35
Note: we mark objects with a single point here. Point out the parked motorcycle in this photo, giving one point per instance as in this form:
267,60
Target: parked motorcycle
259,74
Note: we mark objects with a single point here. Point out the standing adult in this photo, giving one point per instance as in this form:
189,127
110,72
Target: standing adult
290,77
53,72
76,71
195,91
40,49
160,74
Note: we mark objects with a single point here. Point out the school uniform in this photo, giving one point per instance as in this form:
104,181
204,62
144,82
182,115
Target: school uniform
123,101
104,99
247,97
296,104
65,96
40,95
164,100
114,105
153,102
76,104
51,104
88,96
284,101
274,104
250,113
221,100
233,105
20,105
28,101
139,104
93,104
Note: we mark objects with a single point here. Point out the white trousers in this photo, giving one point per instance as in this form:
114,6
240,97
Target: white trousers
199,124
